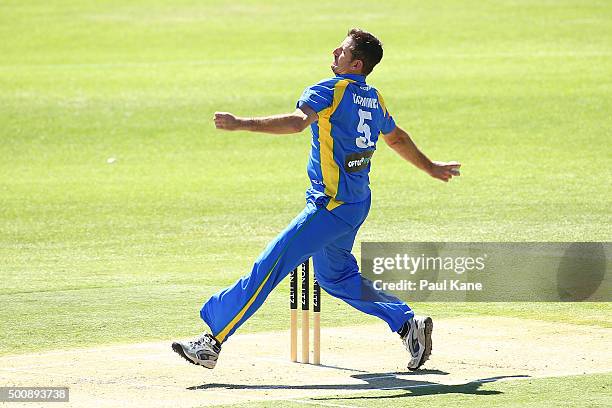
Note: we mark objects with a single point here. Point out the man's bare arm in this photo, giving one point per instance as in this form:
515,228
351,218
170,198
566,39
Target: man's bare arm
277,124
400,141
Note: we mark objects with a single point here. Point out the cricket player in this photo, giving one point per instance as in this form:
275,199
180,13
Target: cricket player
346,116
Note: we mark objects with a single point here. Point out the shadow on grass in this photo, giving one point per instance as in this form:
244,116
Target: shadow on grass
376,381
417,390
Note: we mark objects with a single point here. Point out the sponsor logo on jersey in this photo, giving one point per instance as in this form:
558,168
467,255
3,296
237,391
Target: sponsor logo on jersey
355,162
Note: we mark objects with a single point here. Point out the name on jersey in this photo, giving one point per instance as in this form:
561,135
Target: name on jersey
357,161
371,103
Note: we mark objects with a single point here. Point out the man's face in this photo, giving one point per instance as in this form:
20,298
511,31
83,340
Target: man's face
343,58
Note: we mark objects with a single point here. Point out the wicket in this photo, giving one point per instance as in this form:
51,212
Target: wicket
316,321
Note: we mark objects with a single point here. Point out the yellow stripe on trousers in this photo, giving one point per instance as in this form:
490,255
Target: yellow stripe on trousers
223,333
329,167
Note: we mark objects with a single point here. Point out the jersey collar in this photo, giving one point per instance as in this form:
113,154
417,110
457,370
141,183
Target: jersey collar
354,77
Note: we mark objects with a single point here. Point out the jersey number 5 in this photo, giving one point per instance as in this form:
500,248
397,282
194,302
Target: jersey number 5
364,141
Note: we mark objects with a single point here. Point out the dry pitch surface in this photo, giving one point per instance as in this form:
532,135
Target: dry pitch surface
255,367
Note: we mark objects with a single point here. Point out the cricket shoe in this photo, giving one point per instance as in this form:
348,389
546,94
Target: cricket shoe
203,350
418,341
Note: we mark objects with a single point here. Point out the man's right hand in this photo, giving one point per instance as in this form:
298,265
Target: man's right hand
226,121
444,171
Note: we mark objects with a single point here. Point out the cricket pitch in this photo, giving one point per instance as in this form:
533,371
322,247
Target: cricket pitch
256,367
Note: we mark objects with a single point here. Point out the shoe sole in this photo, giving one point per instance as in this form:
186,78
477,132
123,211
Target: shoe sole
178,349
428,343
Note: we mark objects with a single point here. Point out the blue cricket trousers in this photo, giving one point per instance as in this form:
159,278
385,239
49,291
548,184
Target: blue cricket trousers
327,237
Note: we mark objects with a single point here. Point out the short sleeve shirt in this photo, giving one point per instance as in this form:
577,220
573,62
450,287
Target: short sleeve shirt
352,115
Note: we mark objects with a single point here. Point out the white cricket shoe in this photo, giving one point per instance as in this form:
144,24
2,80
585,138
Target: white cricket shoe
418,341
203,350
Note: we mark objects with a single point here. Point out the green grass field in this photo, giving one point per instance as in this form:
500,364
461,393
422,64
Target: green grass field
96,253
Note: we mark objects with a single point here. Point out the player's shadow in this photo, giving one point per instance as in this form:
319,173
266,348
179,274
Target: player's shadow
377,381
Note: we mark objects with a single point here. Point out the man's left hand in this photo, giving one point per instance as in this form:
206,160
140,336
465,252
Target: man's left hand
226,121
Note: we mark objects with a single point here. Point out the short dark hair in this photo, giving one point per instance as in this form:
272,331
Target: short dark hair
366,48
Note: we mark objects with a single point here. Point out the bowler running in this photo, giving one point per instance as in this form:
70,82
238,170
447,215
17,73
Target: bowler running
346,116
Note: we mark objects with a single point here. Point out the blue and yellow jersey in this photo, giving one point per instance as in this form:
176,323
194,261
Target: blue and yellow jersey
352,115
